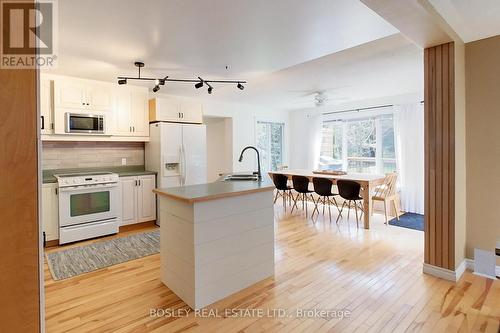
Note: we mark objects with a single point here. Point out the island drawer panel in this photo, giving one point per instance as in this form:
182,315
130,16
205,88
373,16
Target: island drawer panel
213,292
214,209
230,225
231,265
212,251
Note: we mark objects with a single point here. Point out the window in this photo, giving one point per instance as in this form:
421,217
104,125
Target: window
270,144
364,145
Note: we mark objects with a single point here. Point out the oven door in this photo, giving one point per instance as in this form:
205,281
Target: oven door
87,203
84,123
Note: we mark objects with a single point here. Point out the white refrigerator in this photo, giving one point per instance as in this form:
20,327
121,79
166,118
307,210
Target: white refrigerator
178,153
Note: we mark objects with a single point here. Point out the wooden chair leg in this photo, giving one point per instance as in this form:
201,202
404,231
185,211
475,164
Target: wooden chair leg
336,204
385,212
348,208
329,211
356,210
284,200
395,208
276,196
340,213
304,200
362,207
294,202
373,205
316,203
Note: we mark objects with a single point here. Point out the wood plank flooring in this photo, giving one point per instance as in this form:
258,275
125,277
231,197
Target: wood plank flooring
374,276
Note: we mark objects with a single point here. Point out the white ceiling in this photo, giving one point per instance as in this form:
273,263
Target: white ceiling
101,39
471,19
385,67
282,47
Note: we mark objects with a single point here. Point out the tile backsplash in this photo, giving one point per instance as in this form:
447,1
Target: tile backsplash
66,155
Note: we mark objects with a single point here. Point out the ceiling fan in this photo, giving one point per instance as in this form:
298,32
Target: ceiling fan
320,97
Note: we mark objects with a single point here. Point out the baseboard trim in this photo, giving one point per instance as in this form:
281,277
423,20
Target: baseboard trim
444,273
470,266
52,243
136,226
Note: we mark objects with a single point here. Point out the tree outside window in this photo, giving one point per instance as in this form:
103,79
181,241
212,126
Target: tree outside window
270,137
363,145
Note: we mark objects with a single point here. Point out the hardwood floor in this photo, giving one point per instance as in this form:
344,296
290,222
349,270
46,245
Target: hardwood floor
375,276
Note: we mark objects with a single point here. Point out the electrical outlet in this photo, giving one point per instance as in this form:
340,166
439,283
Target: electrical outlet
124,161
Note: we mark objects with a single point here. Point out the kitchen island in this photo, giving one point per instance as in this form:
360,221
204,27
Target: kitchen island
216,238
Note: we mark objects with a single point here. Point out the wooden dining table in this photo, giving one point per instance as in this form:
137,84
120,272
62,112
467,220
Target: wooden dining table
367,182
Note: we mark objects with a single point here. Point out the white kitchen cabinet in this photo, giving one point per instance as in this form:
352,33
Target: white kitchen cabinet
139,112
98,96
130,110
129,199
191,111
46,106
146,199
138,200
83,95
50,211
174,109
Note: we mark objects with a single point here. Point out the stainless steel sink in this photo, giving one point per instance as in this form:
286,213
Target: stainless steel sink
240,177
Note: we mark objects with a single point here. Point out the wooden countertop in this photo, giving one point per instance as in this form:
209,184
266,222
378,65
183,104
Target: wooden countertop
216,190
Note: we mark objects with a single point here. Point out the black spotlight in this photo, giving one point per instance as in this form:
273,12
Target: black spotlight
240,86
156,88
198,85
161,82
210,89
122,81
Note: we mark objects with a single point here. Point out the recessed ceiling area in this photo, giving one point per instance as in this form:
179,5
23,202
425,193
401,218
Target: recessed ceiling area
471,20
287,50
386,67
101,39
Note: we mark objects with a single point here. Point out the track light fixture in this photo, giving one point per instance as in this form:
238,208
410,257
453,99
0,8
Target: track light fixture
199,82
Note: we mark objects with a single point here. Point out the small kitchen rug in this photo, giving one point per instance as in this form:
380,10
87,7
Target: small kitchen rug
87,258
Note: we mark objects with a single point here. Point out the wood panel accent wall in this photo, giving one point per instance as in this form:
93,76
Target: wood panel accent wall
19,238
439,89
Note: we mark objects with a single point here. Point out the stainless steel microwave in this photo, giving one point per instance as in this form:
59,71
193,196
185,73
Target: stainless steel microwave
84,123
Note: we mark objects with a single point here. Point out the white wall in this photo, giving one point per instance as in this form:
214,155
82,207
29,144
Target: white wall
219,146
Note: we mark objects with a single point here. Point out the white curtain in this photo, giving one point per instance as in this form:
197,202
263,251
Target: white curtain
409,132
306,140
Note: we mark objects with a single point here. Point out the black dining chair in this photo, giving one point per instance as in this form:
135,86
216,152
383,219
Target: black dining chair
323,188
350,191
282,188
301,186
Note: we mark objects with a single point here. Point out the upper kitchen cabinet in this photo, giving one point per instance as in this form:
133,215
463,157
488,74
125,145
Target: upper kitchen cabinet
191,111
130,110
46,106
174,109
83,95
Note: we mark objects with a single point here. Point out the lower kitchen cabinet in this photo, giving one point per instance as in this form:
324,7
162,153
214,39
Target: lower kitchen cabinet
138,200
50,211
